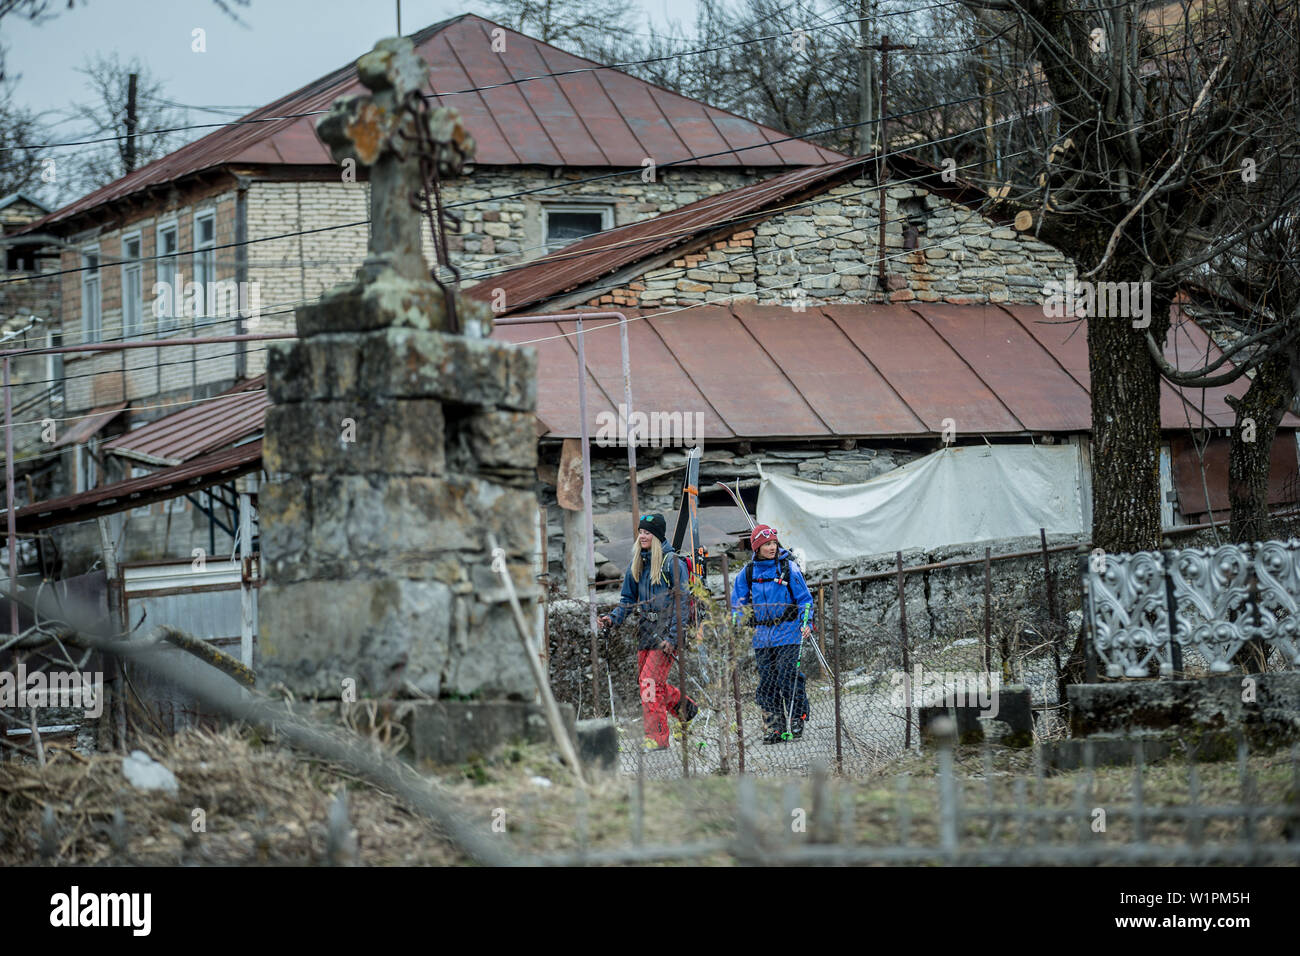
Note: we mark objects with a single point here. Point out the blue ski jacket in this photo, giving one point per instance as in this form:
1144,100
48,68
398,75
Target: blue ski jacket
763,586
654,600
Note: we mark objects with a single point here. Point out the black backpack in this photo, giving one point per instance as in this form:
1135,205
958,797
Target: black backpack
791,611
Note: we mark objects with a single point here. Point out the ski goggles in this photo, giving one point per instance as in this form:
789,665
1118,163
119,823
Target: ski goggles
765,534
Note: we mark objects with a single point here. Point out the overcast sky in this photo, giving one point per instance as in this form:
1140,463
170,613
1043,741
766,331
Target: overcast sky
284,45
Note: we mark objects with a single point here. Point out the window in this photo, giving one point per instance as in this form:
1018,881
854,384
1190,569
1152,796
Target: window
566,224
86,466
90,295
132,286
168,302
205,259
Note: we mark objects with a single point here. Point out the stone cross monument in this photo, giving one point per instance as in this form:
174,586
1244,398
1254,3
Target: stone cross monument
395,449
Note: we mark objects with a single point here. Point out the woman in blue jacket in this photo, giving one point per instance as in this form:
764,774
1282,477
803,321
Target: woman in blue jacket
654,584
773,586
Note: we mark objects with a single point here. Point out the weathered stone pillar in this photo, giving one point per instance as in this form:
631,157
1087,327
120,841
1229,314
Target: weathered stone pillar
394,449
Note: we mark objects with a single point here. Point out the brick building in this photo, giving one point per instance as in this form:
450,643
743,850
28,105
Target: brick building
231,232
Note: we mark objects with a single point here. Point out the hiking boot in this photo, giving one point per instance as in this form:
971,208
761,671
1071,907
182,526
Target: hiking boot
686,710
651,745
796,727
772,737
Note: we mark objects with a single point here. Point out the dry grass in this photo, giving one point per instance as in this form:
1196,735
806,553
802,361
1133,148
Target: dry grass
268,806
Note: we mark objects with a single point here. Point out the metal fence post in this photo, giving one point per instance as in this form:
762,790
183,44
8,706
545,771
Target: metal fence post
907,665
1089,651
681,672
988,612
835,636
1052,617
1171,606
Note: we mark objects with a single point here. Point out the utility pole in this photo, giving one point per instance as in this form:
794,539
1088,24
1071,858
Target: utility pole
882,160
128,154
866,79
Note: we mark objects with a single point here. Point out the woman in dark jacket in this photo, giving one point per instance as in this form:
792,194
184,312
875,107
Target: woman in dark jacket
651,585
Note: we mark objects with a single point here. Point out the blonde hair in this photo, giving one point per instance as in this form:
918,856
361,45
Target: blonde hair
657,571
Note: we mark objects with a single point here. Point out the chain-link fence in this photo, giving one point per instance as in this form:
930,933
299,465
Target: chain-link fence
847,692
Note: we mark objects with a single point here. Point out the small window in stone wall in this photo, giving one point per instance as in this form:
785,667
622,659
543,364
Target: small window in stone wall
913,215
566,224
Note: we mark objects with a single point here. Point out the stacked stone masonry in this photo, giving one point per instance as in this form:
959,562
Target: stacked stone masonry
388,447
827,250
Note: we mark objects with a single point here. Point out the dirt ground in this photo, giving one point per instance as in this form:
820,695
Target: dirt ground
262,804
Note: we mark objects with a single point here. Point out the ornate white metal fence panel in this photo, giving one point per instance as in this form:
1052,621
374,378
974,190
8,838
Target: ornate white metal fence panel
1193,606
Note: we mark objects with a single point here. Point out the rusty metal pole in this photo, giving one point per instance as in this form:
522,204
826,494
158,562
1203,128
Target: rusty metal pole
627,404
1051,616
732,659
9,502
590,531
907,664
681,672
988,610
835,636
819,635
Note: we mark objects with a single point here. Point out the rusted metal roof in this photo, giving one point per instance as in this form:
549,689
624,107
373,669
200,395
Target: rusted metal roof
88,426
1190,484
606,252
847,371
604,118
194,475
200,428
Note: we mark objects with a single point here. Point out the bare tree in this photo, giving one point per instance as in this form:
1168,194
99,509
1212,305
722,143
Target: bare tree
106,115
1150,128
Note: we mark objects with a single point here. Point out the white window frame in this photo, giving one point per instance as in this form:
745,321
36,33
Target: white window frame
92,291
132,306
207,254
169,323
606,211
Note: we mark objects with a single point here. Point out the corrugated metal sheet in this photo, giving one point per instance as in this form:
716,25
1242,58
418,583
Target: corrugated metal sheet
88,426
193,475
606,252
846,371
603,118
1190,489
201,428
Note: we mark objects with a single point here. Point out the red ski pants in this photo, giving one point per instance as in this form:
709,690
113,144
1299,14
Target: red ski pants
658,697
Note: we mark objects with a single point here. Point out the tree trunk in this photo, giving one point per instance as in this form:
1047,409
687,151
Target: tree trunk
1258,413
1125,428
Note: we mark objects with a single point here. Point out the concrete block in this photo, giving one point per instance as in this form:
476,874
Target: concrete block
451,732
393,437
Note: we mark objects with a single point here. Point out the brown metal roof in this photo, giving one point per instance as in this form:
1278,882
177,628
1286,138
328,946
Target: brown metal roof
194,475
604,118
605,252
88,425
847,371
211,424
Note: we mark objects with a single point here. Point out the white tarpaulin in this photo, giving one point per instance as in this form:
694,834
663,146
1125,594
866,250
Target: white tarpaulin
953,496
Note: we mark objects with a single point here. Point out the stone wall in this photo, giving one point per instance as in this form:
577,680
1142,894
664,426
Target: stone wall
829,250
